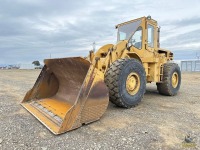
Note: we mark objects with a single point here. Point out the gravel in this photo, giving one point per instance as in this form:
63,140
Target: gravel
158,122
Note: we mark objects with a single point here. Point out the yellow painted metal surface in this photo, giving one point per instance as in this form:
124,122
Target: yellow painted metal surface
133,83
42,118
175,79
56,106
70,92
76,94
152,58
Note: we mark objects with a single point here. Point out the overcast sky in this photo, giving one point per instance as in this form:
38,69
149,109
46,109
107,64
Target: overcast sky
33,29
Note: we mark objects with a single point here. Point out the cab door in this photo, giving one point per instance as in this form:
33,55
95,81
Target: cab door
137,41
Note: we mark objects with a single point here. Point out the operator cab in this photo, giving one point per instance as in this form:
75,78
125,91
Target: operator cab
132,31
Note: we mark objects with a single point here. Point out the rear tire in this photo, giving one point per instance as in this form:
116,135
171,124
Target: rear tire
171,80
126,81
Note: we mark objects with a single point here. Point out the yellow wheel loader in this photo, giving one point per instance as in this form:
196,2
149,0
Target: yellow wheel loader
70,92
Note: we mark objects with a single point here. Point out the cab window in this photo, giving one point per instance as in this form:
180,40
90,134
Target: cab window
136,39
150,35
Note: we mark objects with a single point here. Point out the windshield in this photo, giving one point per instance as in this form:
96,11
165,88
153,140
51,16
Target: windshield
125,31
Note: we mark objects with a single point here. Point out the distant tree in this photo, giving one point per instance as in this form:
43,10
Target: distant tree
36,63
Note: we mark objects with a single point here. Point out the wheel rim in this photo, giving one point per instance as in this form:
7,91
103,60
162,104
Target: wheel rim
133,83
175,79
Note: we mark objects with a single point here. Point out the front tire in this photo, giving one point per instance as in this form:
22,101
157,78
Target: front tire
171,80
126,81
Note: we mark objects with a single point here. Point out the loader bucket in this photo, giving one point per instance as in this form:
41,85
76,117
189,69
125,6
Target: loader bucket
68,93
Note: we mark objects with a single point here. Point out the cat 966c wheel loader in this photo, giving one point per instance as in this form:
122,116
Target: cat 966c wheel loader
70,92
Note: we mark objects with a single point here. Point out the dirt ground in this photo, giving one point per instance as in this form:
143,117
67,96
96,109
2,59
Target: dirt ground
158,122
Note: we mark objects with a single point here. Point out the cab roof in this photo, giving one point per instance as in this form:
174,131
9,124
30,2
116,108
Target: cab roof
127,22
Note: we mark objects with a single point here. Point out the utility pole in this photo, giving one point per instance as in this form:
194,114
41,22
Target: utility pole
94,46
197,62
198,56
50,55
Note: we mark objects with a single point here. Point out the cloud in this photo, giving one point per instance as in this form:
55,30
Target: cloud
32,30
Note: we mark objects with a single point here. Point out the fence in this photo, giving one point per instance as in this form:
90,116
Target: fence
185,65
20,66
190,65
